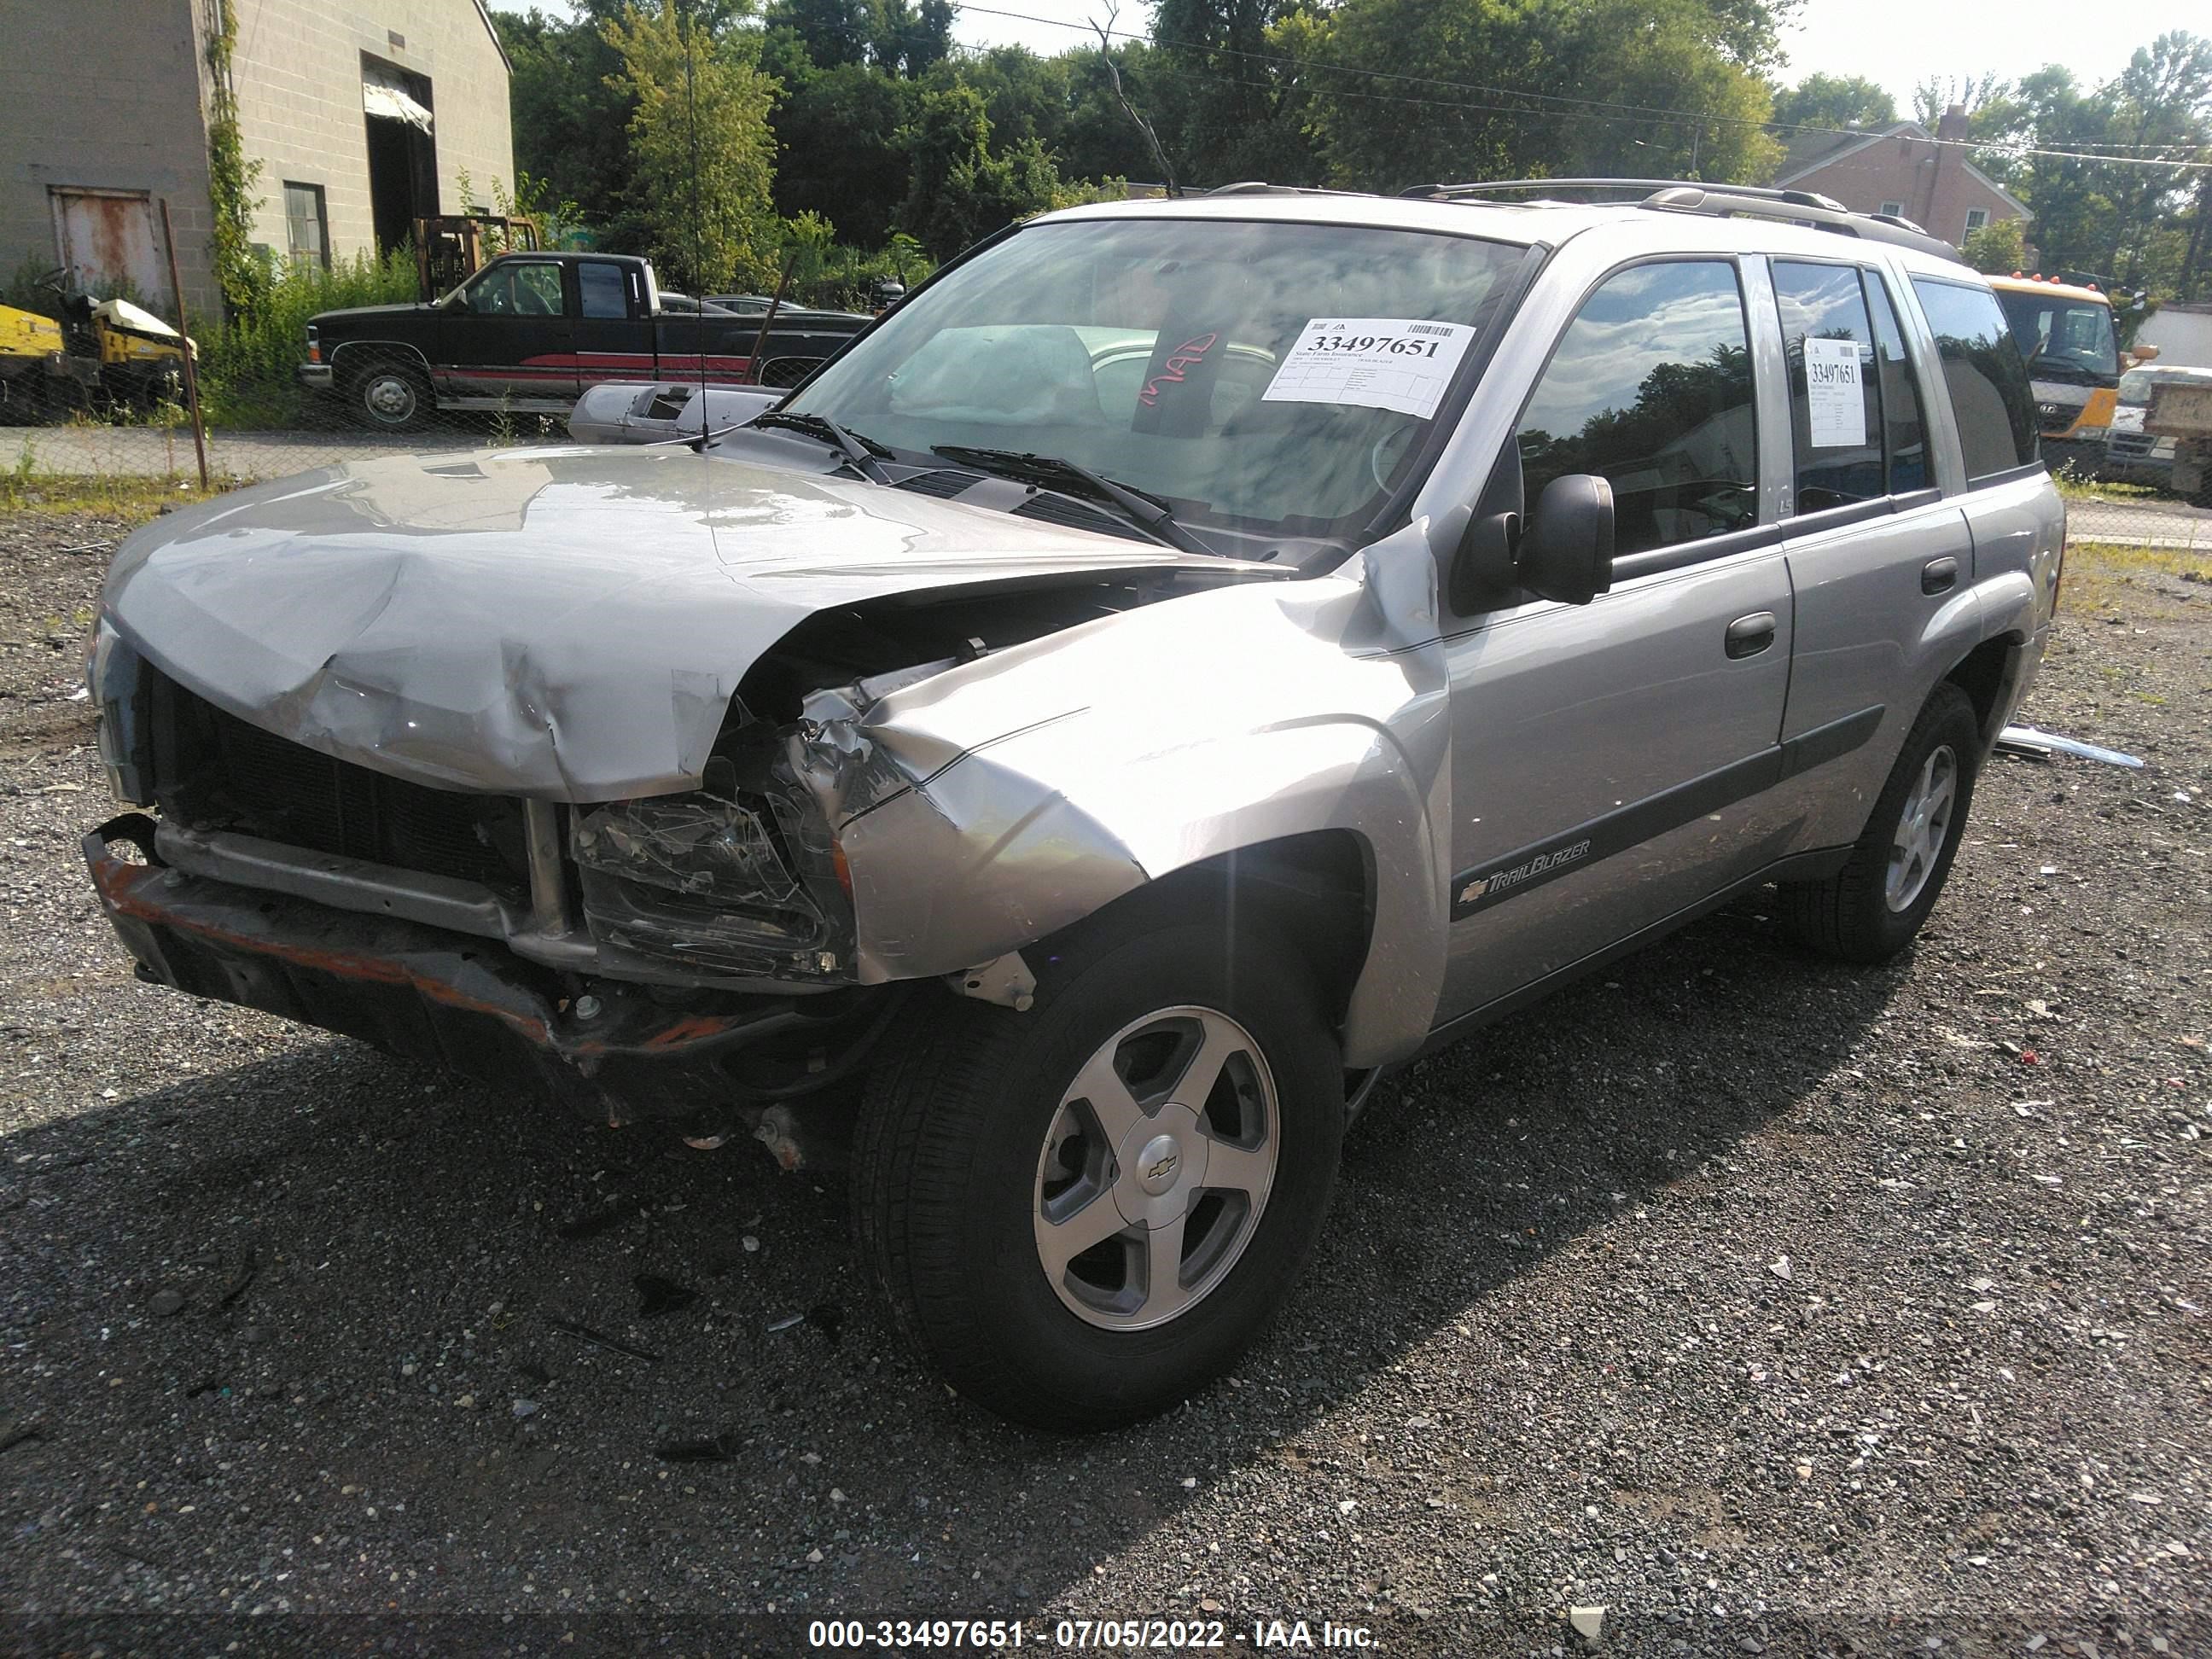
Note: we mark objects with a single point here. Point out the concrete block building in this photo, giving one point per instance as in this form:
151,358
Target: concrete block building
1902,168
363,115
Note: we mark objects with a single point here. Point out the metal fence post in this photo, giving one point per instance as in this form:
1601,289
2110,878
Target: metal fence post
183,328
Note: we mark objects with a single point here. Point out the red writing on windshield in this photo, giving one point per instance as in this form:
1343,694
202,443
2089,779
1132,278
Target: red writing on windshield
1190,352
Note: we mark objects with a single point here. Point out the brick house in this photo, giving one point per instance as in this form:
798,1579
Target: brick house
362,114
1902,169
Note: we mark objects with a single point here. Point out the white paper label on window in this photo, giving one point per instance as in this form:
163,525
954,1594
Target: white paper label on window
1831,384
1375,362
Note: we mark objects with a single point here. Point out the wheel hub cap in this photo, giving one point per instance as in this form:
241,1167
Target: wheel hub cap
1163,1161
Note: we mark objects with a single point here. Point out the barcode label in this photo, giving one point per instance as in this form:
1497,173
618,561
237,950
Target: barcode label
1443,329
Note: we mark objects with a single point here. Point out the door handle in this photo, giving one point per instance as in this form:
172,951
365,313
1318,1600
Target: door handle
1939,575
1749,635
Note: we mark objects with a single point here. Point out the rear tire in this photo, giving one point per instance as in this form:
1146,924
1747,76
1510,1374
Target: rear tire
1075,1249
1872,907
391,397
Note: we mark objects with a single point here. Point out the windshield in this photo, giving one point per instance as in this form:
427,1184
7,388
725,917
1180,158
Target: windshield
1271,377
2063,338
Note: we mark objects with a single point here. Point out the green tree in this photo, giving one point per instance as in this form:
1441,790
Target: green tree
702,155
1551,86
841,143
1835,102
907,39
1025,96
1676,56
1221,47
1098,140
834,32
571,123
2163,98
1987,98
1997,246
958,191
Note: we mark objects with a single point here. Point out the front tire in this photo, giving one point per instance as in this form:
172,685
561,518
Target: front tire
1081,1213
1872,907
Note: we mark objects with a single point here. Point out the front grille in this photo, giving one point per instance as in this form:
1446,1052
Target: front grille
217,771
2131,444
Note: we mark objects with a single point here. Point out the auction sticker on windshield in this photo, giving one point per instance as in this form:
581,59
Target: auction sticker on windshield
1375,362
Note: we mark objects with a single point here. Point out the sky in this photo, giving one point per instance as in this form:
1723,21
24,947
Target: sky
1898,42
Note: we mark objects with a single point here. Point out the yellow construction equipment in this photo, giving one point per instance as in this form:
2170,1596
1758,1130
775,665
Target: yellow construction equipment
104,353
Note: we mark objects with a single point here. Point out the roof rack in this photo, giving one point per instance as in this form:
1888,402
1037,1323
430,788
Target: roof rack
1802,207
1261,187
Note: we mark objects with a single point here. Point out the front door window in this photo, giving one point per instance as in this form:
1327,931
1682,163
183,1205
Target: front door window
1650,388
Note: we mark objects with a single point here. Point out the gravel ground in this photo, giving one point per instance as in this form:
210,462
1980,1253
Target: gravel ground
1766,1304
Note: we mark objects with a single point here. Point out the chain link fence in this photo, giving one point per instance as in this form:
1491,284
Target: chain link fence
82,445
2147,519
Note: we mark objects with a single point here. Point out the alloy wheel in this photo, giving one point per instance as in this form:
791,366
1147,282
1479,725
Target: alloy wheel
1157,1167
1921,829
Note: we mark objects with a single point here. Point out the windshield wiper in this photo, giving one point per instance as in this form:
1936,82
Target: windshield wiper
862,452
1146,511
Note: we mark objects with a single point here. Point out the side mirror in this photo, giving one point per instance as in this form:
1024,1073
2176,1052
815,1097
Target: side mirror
1566,550
2142,354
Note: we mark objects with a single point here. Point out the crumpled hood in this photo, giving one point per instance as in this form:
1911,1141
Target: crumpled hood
567,623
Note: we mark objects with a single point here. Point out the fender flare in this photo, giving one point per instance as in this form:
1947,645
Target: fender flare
373,349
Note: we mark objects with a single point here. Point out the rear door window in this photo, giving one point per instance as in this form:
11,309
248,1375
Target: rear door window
1835,392
1650,388
1985,375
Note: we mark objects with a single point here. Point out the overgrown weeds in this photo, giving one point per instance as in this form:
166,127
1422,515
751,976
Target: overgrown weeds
25,489
248,370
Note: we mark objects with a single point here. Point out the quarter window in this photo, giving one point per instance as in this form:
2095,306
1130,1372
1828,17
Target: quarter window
1983,373
1650,388
1835,396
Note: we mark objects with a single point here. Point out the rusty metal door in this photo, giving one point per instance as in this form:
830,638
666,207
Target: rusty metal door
107,239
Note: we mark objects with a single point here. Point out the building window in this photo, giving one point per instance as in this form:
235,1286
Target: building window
1976,218
307,227
1895,209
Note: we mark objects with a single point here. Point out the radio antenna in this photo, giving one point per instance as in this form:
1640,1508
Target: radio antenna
689,16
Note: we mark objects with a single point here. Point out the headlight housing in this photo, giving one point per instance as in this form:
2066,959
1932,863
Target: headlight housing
720,884
113,675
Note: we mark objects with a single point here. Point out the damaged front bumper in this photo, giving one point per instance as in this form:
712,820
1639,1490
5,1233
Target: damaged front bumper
611,1049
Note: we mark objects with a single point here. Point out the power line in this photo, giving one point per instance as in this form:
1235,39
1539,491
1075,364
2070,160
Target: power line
1535,101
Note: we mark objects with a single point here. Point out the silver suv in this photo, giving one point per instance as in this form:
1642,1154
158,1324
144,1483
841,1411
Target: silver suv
1187,660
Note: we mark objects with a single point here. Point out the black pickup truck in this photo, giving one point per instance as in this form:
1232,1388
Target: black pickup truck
531,332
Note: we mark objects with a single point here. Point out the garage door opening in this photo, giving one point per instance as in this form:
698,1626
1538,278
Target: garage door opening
403,150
